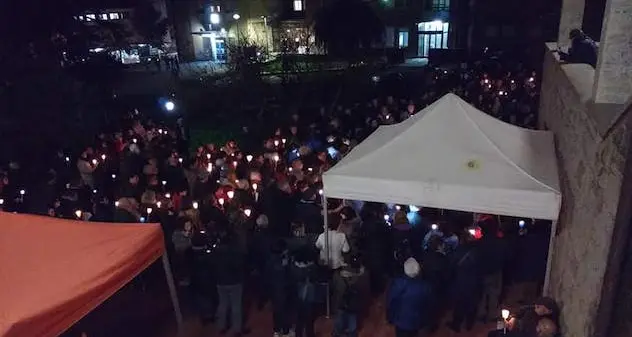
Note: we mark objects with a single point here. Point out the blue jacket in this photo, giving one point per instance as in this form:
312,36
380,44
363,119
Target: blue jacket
409,302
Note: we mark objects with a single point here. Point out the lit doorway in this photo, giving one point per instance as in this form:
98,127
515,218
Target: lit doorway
432,35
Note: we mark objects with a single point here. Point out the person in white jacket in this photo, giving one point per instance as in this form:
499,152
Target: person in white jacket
338,244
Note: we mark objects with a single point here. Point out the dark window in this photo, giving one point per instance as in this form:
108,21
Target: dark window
439,5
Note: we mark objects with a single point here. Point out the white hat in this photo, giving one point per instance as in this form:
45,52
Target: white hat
262,220
411,268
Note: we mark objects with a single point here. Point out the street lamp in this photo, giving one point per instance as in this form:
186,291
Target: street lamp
215,18
236,16
170,106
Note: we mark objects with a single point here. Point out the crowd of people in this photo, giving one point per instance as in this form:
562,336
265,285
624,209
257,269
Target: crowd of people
252,209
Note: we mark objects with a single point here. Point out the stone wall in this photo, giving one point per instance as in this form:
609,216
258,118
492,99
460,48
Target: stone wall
591,177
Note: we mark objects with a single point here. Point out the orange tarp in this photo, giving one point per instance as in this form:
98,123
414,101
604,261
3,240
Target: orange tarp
55,271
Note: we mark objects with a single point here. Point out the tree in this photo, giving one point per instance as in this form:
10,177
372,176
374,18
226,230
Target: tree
346,28
150,23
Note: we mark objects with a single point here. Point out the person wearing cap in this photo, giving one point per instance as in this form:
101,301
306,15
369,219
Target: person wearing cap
582,50
409,301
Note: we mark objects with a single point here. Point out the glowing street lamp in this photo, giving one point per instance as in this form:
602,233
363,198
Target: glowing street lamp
170,106
215,18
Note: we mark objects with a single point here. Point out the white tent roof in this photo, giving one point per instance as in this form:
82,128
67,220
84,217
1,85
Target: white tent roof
451,155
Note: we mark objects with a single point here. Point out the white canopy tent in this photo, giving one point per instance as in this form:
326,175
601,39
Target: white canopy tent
450,155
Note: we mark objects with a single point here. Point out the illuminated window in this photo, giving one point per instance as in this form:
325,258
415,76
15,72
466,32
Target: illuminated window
103,16
432,35
440,5
91,17
402,39
114,16
298,5
214,18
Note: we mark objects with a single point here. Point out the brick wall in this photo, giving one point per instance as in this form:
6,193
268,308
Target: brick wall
591,178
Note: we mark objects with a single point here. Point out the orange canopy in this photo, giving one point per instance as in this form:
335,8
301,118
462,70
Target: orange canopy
54,271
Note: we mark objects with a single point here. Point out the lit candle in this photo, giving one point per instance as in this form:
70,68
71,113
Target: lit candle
276,158
164,182
254,186
116,204
234,163
208,156
230,194
276,143
283,141
180,160
471,231
149,210
158,204
135,140
310,169
103,157
168,196
221,201
195,205
398,207
94,162
434,227
160,131
22,192
113,176
1,201
94,191
320,192
249,158
247,211
209,167
78,214
67,159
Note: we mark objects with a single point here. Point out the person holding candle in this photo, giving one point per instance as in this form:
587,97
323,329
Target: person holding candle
525,320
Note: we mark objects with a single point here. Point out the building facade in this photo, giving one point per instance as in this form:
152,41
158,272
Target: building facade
419,26
206,29
589,110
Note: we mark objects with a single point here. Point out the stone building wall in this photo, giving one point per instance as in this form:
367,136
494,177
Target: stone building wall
591,172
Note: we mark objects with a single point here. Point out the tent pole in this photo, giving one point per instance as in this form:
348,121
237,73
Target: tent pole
172,289
549,259
326,225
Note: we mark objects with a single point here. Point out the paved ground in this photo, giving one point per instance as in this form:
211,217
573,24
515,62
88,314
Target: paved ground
373,325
